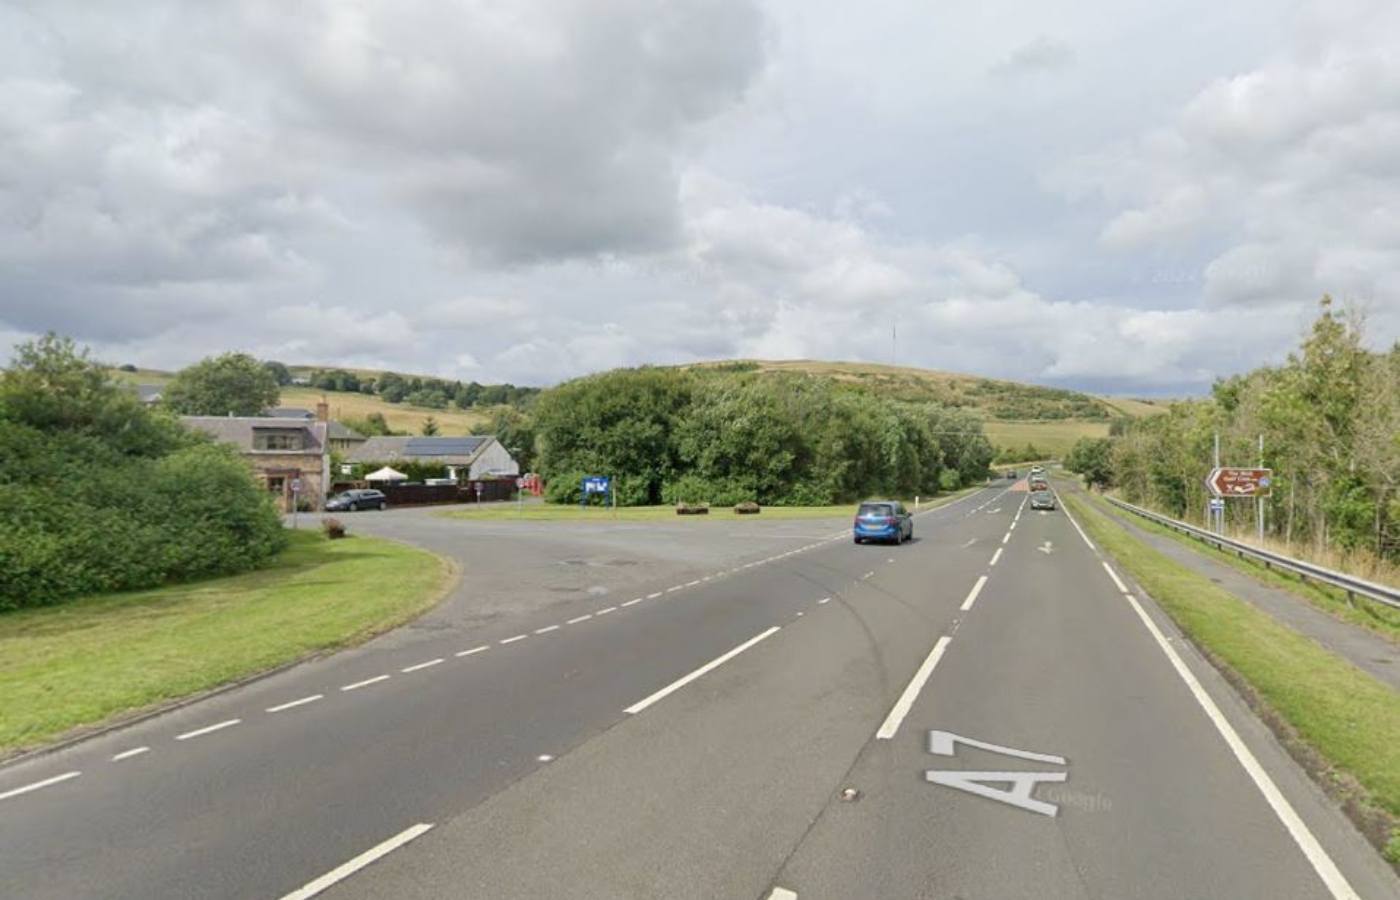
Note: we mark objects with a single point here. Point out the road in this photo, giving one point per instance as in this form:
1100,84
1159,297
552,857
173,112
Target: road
729,710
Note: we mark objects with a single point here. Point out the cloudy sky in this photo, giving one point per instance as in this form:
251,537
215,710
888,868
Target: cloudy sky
1129,196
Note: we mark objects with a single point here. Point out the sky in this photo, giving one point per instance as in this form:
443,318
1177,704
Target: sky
1129,197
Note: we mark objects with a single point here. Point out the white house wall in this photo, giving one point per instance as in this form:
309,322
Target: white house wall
494,460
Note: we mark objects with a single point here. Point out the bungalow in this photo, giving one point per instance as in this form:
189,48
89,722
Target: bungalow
286,454
482,456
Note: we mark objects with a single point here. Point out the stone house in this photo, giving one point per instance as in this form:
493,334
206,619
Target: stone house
286,454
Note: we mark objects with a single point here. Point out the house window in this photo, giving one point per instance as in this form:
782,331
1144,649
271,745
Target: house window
277,440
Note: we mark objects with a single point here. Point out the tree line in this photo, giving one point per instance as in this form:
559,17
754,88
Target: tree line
433,393
724,435
1330,421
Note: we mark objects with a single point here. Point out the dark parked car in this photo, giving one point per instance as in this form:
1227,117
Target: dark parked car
1042,500
883,520
362,498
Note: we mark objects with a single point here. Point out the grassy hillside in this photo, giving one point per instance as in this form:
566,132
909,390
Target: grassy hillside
1056,437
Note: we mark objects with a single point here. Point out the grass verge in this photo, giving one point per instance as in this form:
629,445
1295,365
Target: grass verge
83,663
559,512
1340,723
1377,617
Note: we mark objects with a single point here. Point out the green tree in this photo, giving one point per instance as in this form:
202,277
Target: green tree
280,372
1092,458
230,384
430,427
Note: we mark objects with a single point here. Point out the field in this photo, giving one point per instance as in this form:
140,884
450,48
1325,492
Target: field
87,661
400,416
1054,436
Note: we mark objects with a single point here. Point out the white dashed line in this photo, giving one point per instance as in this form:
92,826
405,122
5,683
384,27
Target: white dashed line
1006,537
823,600
911,692
472,650
672,590
866,575
295,703
972,594
340,873
605,611
995,556
421,665
577,619
512,640
692,583
366,683
782,894
1116,580
687,679
39,784
546,629
207,729
655,595
544,757
632,602
707,578
128,754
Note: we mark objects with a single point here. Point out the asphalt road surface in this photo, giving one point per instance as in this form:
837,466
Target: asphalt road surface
711,710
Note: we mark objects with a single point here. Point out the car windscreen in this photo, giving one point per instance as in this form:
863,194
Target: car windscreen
873,510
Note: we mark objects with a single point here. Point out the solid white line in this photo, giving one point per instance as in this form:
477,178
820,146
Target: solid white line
368,681
632,602
472,650
227,723
577,619
1069,516
782,894
911,692
340,873
546,629
604,612
302,702
128,754
995,556
421,665
1116,580
1322,863
687,679
655,595
40,784
972,594
1006,537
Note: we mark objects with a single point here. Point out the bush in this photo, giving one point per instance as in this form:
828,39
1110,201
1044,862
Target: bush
747,508
334,528
949,480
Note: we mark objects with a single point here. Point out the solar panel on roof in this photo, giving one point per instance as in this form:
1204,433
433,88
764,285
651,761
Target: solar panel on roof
444,446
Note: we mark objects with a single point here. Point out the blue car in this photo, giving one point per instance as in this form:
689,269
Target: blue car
883,520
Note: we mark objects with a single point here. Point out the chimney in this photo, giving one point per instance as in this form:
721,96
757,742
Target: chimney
323,411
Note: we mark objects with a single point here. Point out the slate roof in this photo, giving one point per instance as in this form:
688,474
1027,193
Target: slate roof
238,431
447,450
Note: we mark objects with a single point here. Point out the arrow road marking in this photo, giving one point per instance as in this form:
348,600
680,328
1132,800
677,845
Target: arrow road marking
1046,547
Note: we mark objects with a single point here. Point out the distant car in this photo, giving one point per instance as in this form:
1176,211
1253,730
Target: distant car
1038,483
1042,499
883,520
1011,473
361,498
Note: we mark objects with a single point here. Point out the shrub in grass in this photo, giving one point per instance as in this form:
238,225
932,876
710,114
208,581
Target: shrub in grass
334,528
747,508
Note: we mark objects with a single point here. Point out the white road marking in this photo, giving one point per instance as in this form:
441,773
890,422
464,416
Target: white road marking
295,703
1116,580
472,650
1075,524
823,600
546,629
1326,869
577,619
366,683
1012,528
996,556
511,640
692,583
1006,537
40,784
687,679
972,594
632,602
422,665
128,754
544,757
1047,548
866,575
782,894
655,595
969,543
707,578
672,590
604,612
340,873
207,729
890,559
911,692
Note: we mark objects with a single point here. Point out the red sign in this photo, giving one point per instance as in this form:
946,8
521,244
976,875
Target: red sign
1230,482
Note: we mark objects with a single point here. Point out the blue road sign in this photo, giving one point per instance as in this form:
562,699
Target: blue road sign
596,484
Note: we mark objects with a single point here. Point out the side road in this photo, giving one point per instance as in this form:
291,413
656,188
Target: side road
1368,651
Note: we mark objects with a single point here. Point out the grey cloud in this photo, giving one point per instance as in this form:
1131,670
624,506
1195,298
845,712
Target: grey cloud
1042,54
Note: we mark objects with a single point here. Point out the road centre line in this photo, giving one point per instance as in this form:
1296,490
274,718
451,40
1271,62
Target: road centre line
631,602
687,679
128,754
421,665
1322,864
366,683
208,729
1122,588
512,640
345,870
546,629
692,583
653,596
577,619
295,703
605,611
996,556
472,650
672,590
779,893
1006,537
911,692
823,600
15,792
972,594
